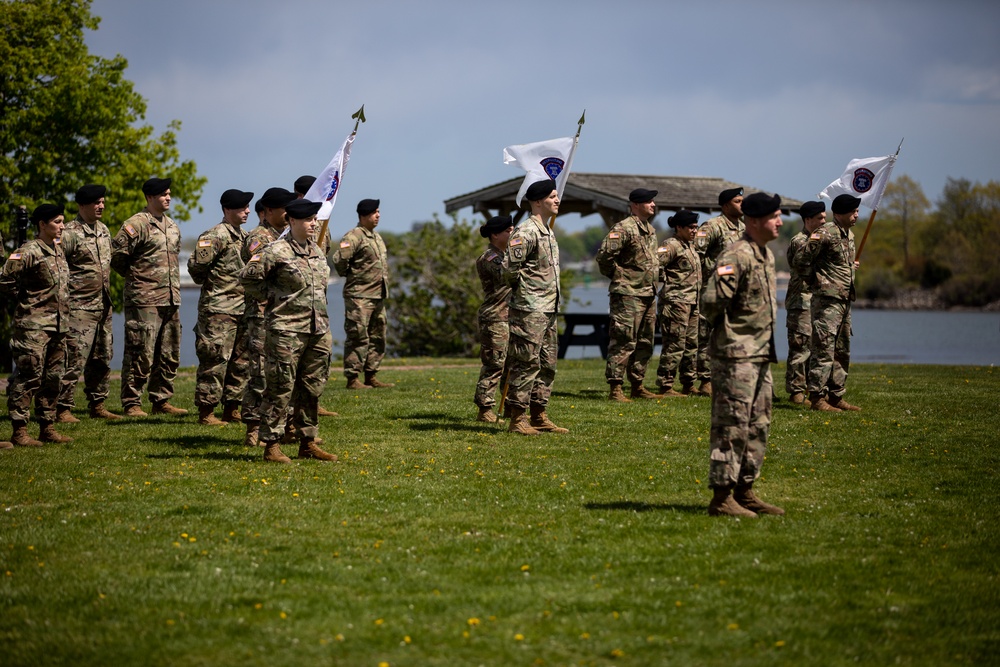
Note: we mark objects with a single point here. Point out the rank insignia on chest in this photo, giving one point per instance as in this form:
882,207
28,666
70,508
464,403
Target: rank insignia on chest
205,243
255,258
726,270
614,235
130,230
345,244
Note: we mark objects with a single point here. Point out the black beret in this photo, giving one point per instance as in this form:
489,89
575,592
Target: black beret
303,183
46,212
368,206
641,196
811,209
760,205
258,206
155,186
302,209
845,204
277,198
729,195
683,219
89,194
235,199
540,190
495,225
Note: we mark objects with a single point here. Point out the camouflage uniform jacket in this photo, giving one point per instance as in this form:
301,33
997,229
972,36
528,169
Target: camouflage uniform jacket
531,267
215,265
36,276
490,269
797,295
88,254
253,244
680,269
829,259
292,278
713,237
145,252
362,260
739,300
628,257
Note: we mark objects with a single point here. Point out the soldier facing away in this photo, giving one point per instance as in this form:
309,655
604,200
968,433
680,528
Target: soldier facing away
494,329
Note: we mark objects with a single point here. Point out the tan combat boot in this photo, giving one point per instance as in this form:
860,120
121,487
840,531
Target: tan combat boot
231,413
744,497
322,412
252,438
616,394
309,449
818,402
372,381
206,416
164,408
519,423
705,389
99,411
273,453
487,415
50,434
20,436
65,416
798,398
354,383
135,411
6,444
723,504
688,390
541,422
675,394
841,404
639,391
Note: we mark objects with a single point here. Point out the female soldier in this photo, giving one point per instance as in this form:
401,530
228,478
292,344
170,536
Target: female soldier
494,331
678,304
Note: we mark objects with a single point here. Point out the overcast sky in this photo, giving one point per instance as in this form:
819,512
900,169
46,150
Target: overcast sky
775,95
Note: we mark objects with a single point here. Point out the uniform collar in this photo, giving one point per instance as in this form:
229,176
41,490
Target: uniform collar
86,227
542,227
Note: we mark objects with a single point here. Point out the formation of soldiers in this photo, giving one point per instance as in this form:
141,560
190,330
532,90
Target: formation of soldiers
716,306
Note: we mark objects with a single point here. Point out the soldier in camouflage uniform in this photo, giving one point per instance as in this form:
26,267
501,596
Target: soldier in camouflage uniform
829,259
798,319
494,330
291,276
680,269
145,252
220,335
362,261
86,243
740,303
273,223
531,268
712,238
36,277
627,257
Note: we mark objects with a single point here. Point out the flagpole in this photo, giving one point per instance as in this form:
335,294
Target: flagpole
569,161
871,220
359,117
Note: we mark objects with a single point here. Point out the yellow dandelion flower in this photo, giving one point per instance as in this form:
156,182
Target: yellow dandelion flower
519,637
339,637
525,568
170,621
283,615
406,639
617,653
779,643
585,635
733,626
379,621
383,664
473,621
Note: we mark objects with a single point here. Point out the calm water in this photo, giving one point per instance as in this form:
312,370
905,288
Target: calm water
880,336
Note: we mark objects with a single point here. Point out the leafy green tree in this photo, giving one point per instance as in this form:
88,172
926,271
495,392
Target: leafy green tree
68,118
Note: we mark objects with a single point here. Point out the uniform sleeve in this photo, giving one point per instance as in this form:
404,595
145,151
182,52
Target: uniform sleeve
519,247
201,260
608,252
342,257
720,287
122,247
15,265
69,242
806,256
253,277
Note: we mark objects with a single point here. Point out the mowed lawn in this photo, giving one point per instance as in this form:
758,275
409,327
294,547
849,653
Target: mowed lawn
440,541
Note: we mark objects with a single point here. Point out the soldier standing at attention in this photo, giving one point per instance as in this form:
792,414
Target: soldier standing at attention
145,253
628,258
711,239
272,224
531,268
86,243
680,268
740,303
494,330
797,305
220,335
291,276
829,259
36,277
362,261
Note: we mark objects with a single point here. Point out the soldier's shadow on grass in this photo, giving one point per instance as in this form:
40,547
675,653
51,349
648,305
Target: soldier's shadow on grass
583,393
439,421
250,456
189,442
633,506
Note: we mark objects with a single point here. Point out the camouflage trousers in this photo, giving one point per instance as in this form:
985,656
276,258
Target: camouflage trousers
223,360
40,358
741,420
364,324
494,336
89,347
679,330
533,349
633,325
152,353
253,395
830,352
799,324
297,367
704,370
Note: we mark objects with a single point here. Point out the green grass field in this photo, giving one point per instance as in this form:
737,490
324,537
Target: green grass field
440,541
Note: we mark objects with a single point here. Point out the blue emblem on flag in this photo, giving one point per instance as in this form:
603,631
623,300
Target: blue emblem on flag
553,166
334,185
863,180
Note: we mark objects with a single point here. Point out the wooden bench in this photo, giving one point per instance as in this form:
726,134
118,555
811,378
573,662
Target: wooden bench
600,336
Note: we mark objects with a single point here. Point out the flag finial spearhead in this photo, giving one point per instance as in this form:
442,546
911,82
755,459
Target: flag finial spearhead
359,117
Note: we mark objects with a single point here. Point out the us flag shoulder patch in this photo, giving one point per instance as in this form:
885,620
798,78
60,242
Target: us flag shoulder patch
255,258
130,230
726,270
254,245
662,249
815,236
702,233
15,255
614,235
205,243
517,241
345,244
